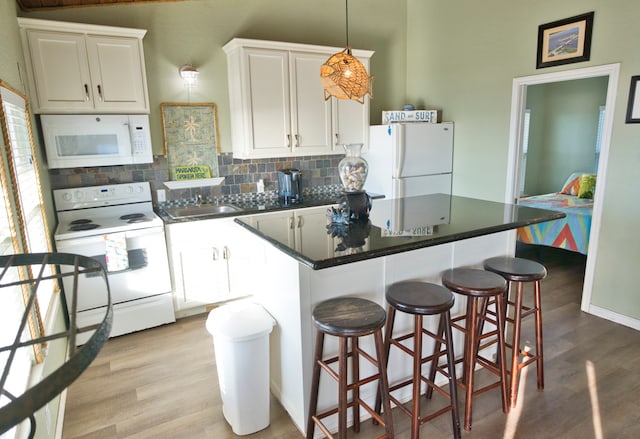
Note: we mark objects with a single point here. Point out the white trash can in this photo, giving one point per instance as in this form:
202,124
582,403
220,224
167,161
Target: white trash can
240,333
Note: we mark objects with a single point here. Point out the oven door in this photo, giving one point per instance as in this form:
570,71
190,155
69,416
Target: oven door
147,273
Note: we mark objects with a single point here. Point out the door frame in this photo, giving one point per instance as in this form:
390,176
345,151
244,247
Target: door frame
518,106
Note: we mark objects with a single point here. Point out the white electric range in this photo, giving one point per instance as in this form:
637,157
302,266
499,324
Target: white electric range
116,225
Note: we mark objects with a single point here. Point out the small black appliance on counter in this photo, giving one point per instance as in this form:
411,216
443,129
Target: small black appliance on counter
357,204
290,185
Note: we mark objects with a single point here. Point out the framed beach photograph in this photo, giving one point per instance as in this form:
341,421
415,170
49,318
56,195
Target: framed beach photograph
633,107
190,134
565,41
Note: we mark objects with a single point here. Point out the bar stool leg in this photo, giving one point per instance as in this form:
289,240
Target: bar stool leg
515,347
313,404
315,384
437,347
356,377
445,322
384,384
538,319
388,332
467,341
417,375
342,387
471,349
501,356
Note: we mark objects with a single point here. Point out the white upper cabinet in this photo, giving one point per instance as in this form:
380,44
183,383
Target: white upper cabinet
74,68
310,112
349,118
277,101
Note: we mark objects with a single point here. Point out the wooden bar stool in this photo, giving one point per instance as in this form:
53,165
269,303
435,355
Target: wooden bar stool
423,299
520,271
478,286
349,318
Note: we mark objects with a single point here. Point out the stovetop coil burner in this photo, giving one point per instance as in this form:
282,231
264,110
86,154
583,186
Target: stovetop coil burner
80,221
83,226
132,218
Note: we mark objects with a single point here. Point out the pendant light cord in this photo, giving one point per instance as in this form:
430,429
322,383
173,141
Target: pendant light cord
346,17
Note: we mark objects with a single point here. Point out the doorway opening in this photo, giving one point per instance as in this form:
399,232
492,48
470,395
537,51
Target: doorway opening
517,126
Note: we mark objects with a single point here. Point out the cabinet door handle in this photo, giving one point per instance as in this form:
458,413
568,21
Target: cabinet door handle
226,254
291,223
288,140
297,136
300,222
100,93
215,253
337,139
86,92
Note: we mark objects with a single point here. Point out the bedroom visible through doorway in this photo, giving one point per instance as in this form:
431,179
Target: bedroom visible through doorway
520,90
559,159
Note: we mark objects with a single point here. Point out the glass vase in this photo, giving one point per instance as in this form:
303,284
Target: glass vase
353,168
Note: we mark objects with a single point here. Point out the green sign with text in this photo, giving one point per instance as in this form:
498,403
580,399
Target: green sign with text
192,172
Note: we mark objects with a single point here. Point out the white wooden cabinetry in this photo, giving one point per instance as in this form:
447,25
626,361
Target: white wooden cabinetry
277,101
350,123
75,68
291,224
210,261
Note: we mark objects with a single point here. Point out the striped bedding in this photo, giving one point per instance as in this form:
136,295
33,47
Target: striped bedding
570,233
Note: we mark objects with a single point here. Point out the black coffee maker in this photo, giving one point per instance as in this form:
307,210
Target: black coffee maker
290,185
357,204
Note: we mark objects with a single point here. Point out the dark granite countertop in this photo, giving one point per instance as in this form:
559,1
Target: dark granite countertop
398,225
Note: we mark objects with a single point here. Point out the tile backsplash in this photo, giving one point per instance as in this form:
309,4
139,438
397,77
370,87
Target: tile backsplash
241,176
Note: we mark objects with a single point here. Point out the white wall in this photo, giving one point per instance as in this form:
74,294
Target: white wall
564,127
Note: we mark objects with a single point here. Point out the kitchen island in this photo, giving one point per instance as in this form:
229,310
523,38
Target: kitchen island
409,238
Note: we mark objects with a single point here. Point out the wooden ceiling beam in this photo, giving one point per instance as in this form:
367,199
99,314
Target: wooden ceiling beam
32,5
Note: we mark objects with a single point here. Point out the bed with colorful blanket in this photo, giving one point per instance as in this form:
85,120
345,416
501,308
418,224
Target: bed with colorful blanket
571,232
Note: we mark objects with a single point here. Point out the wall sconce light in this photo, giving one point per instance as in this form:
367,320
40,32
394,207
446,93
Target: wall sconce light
189,75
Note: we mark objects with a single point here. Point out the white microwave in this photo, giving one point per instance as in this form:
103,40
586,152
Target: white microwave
73,141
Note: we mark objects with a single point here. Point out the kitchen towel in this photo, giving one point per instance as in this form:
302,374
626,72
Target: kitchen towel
116,252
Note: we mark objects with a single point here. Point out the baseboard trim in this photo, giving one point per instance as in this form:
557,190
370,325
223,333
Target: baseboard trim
614,317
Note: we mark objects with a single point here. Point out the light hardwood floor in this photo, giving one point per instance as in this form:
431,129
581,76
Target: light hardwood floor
162,383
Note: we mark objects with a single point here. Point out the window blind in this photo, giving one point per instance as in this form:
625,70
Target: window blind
11,311
23,229
26,180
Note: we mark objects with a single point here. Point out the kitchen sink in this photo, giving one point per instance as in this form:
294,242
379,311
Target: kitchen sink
201,210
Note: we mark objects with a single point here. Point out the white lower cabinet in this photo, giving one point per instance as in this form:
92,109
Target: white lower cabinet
210,261
289,228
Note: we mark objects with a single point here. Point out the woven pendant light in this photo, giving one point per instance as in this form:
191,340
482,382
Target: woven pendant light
344,76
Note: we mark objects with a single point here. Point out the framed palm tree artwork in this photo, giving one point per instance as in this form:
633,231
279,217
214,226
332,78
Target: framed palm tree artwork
190,135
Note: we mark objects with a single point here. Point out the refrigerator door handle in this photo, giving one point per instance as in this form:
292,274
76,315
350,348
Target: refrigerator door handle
400,152
399,188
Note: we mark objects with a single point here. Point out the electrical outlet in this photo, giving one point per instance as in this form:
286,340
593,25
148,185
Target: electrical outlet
162,195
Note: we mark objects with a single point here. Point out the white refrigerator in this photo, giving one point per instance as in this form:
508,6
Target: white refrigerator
407,159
